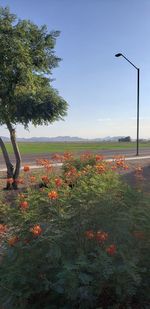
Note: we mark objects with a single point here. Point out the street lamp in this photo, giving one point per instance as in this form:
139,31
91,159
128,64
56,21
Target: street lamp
138,86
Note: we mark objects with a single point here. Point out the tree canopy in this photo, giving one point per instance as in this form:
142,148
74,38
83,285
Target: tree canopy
27,58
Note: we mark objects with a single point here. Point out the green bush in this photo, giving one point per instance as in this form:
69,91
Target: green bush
85,246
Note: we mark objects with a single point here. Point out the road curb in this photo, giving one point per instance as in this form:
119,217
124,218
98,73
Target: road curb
60,164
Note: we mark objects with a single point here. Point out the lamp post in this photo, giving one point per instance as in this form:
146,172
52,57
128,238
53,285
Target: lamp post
138,87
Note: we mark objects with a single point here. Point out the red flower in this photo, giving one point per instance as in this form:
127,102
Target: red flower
111,250
89,234
58,182
36,230
24,205
53,195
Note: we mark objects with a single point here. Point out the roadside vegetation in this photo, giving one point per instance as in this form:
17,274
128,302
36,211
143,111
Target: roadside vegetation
73,238
77,239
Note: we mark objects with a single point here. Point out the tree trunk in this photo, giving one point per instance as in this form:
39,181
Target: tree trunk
17,154
9,165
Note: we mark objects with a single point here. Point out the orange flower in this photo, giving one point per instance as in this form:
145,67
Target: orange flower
120,163
101,168
13,240
71,172
113,168
53,195
57,157
58,182
101,236
36,230
3,228
67,156
111,250
89,234
99,157
86,156
48,167
32,178
26,168
24,205
125,167
10,180
45,179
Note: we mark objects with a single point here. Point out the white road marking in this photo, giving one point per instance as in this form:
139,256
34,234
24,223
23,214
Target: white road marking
60,164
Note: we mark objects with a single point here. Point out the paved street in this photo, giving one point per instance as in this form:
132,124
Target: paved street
31,158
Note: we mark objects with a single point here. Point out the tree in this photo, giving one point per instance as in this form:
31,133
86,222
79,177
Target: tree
27,58
125,139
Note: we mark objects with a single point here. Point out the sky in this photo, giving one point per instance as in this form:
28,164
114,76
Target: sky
100,88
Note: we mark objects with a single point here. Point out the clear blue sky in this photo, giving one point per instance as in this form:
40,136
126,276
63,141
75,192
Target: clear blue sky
100,89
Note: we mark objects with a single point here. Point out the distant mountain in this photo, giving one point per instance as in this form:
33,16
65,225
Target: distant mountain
52,139
5,139
64,139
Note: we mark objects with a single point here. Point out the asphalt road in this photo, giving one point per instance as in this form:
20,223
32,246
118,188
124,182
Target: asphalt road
31,158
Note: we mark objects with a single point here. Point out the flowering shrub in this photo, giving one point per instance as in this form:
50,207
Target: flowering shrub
80,246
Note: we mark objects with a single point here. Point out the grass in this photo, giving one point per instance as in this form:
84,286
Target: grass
54,147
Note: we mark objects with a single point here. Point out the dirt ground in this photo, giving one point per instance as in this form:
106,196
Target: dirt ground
130,176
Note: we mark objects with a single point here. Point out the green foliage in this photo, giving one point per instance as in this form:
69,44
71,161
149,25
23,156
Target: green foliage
69,264
27,59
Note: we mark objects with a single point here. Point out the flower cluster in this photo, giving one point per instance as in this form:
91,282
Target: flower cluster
120,162
45,179
86,156
99,158
101,237
58,182
101,168
36,230
53,195
26,168
32,179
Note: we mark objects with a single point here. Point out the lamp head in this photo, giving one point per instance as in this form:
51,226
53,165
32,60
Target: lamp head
118,55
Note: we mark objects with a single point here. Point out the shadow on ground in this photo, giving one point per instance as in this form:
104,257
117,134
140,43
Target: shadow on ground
143,182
